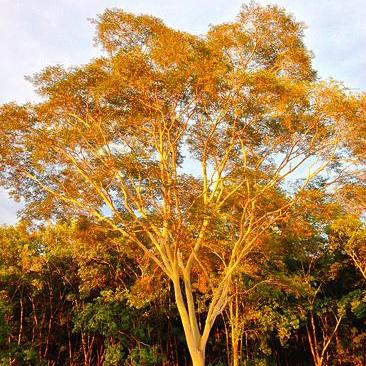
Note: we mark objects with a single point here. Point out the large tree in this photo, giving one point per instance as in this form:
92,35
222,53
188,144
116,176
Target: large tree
184,145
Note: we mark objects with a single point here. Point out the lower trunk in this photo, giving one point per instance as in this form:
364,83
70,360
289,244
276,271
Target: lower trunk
198,358
193,337
235,353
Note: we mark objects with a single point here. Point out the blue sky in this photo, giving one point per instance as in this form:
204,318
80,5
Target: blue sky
37,33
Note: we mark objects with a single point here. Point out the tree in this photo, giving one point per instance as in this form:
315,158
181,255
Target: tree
64,299
349,234
182,145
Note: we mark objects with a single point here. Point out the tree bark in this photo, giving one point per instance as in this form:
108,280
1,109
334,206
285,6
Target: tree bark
198,358
195,344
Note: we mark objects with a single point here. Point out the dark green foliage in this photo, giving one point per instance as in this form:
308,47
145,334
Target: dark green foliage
48,317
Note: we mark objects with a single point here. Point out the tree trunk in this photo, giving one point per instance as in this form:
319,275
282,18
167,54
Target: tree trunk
198,358
196,345
235,354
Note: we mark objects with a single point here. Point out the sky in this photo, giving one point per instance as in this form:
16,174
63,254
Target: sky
38,33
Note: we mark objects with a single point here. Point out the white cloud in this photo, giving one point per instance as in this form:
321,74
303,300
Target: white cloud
8,209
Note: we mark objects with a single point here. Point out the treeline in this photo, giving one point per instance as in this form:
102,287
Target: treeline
74,294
